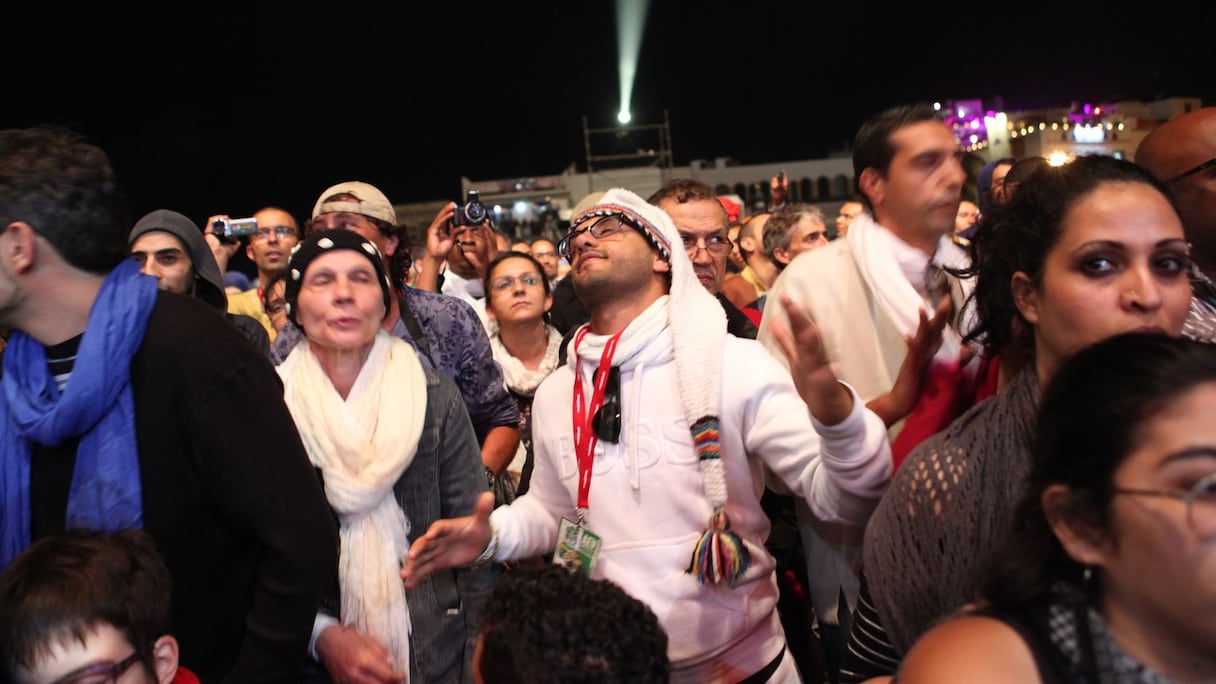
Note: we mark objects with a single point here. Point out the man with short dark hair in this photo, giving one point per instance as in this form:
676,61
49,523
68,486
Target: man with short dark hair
545,252
704,225
125,406
745,288
867,294
466,249
269,248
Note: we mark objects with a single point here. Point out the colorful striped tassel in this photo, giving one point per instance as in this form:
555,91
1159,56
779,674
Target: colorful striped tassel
720,556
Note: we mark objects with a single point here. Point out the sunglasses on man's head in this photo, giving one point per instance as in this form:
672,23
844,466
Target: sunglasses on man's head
606,423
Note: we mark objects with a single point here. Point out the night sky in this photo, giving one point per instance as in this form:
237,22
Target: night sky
220,108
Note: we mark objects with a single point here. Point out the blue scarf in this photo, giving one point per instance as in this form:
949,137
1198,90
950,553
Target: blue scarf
96,404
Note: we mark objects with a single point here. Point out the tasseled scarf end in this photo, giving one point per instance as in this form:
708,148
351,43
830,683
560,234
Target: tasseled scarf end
720,556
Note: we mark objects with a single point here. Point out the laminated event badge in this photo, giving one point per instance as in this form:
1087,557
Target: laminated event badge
577,547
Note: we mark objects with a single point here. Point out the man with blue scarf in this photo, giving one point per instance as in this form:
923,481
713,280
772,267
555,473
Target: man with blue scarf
122,406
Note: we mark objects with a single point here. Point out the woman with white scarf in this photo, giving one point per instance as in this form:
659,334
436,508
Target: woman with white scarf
518,299
396,450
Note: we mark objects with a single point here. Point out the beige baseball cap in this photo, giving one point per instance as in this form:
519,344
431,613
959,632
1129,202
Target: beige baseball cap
371,202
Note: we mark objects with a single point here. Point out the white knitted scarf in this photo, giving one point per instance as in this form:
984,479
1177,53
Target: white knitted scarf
362,445
889,278
518,378
698,333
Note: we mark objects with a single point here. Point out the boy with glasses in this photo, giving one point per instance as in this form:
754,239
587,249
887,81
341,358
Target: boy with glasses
89,607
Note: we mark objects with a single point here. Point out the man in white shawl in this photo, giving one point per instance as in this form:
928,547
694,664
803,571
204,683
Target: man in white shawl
866,293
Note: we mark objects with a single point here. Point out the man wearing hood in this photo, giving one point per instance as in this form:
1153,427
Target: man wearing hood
169,247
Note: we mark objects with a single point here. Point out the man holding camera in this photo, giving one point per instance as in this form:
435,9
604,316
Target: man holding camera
269,248
463,236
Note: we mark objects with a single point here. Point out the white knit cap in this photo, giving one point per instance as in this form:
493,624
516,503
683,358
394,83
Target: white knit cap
698,331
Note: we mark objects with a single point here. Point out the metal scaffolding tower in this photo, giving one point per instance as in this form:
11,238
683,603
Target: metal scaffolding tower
628,145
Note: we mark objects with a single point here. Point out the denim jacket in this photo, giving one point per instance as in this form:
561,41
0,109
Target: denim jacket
444,481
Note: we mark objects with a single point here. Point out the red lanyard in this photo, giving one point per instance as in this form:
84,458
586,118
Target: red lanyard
584,436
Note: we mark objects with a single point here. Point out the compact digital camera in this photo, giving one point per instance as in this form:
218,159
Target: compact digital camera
471,213
234,228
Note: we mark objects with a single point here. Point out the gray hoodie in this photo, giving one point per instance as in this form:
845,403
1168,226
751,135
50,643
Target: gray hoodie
209,284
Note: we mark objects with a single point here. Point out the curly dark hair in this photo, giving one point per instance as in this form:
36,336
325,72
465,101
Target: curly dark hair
1018,235
551,625
64,187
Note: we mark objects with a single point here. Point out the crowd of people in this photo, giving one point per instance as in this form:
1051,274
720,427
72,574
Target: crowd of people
926,439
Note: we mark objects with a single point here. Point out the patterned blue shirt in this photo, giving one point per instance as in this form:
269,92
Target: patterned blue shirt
459,348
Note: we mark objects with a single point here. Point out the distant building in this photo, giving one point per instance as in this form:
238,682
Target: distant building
540,205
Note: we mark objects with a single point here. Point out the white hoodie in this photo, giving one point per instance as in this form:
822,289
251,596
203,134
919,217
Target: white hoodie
647,505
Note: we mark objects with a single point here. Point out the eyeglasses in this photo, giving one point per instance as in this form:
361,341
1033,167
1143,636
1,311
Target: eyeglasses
606,423
602,228
1200,504
717,245
1191,172
280,232
101,673
505,283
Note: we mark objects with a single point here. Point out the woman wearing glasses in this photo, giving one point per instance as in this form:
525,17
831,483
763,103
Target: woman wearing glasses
1080,253
1110,571
525,345
396,449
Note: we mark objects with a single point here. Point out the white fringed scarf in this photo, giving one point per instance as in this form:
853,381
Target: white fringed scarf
517,377
362,445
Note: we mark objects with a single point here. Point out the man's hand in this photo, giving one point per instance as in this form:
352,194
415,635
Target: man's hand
355,658
922,346
439,236
439,242
222,248
828,400
449,543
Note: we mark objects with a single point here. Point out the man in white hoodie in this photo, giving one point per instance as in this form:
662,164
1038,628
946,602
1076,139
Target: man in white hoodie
651,445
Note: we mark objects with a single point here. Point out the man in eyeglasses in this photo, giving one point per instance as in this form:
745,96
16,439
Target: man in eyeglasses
269,249
704,228
169,247
651,446
1182,154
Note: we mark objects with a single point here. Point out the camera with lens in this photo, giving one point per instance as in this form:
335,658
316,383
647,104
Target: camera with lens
471,213
234,228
